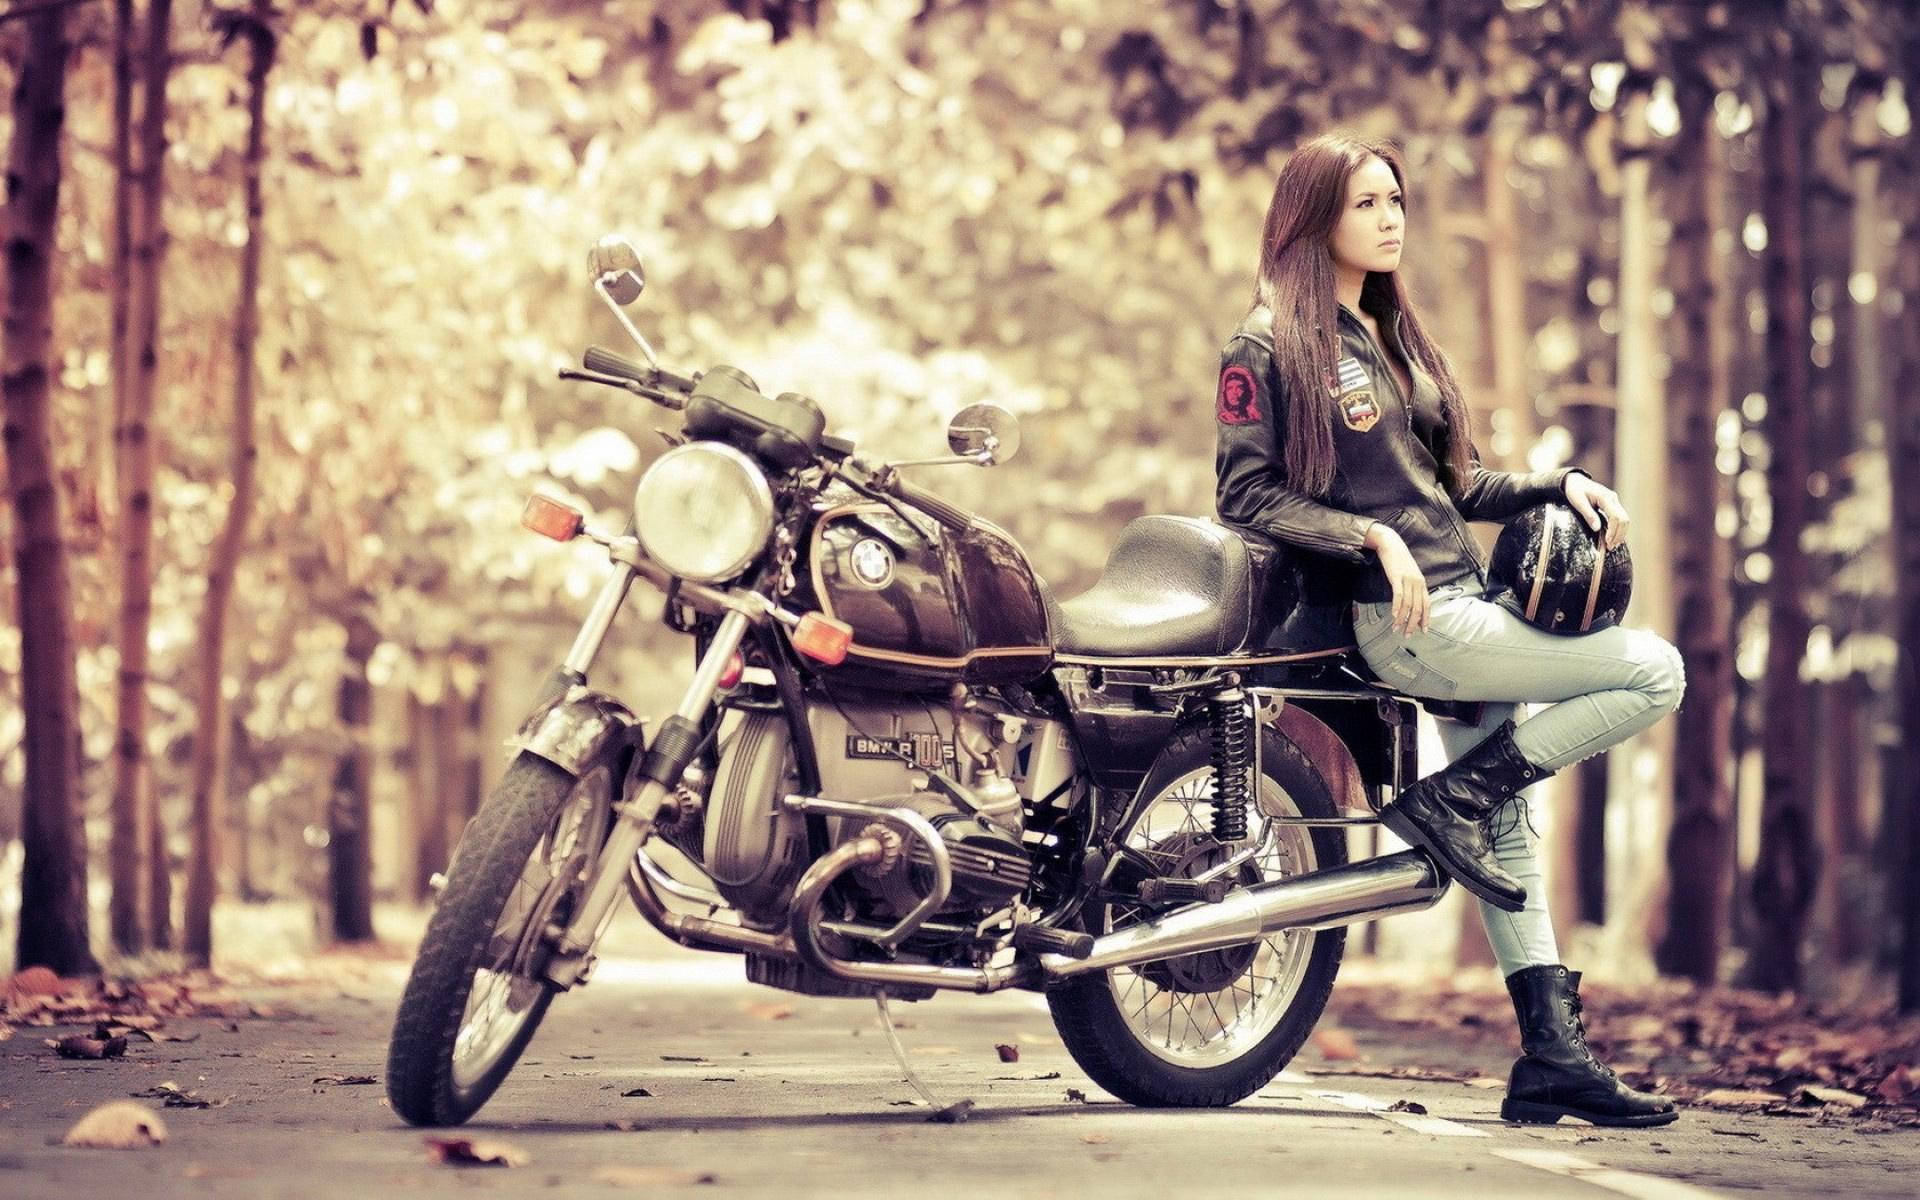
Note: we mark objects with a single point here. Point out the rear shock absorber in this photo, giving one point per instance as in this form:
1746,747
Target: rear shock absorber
1230,722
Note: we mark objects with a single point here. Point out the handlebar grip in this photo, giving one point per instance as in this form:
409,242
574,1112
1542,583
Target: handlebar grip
608,362
940,510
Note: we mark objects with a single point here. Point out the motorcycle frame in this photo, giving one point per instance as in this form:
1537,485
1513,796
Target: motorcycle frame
572,725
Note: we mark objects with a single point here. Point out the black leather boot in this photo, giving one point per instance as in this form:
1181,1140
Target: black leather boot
1557,1075
1445,814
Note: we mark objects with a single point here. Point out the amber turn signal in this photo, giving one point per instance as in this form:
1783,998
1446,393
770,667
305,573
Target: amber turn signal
823,639
550,518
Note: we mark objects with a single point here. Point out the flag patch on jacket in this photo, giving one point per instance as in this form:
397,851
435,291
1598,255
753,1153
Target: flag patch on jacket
1351,376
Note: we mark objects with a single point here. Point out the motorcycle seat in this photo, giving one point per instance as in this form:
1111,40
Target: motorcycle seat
1173,587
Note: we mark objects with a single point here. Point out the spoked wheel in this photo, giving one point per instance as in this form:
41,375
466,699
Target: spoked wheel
1209,1028
476,994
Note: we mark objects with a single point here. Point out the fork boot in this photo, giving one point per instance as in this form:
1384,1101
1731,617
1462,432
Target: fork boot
1557,1075
1446,813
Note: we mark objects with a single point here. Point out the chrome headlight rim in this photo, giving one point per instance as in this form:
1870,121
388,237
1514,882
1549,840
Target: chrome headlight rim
748,473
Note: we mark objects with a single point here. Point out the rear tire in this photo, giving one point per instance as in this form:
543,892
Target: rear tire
1116,1045
495,892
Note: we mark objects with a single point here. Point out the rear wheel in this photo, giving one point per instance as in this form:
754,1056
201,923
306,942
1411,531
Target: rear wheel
1208,1029
476,993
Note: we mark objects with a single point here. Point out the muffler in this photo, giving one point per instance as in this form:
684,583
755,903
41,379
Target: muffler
1373,887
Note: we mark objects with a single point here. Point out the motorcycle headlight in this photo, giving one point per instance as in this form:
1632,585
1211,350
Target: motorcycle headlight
703,511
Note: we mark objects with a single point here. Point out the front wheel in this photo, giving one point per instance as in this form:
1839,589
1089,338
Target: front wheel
476,993
1207,1029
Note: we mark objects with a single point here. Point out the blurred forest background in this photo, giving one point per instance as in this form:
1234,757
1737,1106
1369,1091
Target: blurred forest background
286,285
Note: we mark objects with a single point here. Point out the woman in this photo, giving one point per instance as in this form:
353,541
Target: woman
1343,432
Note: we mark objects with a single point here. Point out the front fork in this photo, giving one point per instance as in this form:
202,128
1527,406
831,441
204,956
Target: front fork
660,770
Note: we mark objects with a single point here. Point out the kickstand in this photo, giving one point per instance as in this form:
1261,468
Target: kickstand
946,1114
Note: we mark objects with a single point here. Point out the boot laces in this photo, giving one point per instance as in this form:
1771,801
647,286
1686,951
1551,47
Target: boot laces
1577,1023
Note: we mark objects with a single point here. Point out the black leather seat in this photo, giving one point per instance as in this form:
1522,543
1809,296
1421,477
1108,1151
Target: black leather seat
1172,587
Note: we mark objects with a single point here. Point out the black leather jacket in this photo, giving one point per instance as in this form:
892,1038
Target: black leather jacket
1388,449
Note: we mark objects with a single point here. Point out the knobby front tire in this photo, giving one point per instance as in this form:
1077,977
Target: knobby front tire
493,893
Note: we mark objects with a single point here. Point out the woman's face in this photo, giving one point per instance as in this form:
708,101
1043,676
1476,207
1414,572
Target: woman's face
1373,223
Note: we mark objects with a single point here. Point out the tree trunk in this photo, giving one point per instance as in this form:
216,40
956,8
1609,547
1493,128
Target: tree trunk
210,746
127,847
1787,871
1700,844
1590,838
53,880
1508,329
426,817
350,808
1901,811
1640,773
132,782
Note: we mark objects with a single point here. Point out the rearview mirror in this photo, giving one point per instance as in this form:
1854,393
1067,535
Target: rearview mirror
984,429
616,269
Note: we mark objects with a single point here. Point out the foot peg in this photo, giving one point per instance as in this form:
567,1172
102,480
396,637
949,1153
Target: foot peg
1185,891
1038,939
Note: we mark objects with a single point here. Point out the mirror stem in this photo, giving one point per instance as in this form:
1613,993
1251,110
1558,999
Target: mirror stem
600,286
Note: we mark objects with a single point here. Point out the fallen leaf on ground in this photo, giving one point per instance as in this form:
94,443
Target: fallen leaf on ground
1023,1078
467,1152
1900,1083
344,1080
1408,1106
81,1046
770,1012
1336,1045
1739,1097
1095,1139
953,1114
681,1058
1828,1095
1008,1054
636,1092
1076,1096
649,1177
34,981
172,1095
119,1125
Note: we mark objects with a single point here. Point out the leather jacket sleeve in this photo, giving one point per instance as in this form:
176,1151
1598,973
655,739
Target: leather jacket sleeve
1497,495
1249,465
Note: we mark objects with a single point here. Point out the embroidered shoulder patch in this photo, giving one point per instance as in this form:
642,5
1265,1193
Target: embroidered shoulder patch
1238,402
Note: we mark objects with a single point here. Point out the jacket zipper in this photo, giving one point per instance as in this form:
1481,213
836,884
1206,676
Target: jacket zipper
1406,407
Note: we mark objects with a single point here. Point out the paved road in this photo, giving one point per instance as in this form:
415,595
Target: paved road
770,1094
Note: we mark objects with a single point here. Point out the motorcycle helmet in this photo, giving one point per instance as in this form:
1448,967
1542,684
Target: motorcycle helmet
1550,570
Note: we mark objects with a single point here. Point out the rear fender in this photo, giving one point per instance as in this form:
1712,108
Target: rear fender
576,728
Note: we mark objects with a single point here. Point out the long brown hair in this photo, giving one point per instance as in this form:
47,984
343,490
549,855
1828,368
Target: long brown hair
1296,282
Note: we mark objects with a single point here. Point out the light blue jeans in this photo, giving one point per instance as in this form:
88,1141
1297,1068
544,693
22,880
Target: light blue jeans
1592,689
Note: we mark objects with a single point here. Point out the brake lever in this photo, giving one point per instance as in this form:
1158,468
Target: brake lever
662,398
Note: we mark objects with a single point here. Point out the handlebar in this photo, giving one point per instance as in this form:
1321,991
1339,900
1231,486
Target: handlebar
947,514
611,367
603,361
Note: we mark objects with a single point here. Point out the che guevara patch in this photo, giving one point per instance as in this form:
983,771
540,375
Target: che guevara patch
1238,402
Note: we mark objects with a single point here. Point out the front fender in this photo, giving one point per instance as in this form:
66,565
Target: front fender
573,729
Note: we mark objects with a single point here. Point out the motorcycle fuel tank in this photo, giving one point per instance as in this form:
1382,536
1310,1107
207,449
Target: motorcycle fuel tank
928,605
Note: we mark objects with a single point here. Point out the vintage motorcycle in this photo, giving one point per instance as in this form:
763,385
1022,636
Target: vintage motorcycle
901,766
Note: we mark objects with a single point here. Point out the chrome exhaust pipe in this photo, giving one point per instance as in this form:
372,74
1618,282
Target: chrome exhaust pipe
1362,891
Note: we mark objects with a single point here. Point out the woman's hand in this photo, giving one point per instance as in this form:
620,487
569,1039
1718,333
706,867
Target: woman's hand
1591,499
1403,575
